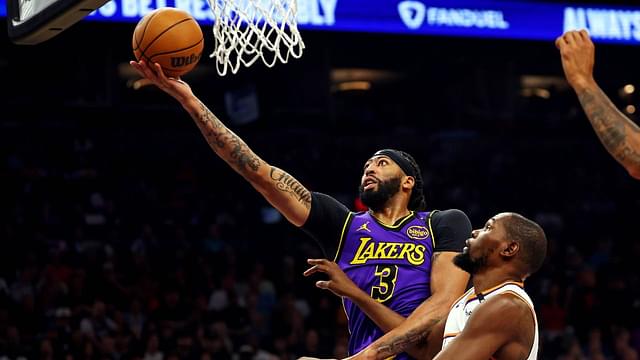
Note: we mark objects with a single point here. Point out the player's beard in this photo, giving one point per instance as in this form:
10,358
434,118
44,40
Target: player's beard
465,262
376,199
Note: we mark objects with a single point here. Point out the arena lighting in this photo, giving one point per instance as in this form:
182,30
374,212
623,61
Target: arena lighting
542,86
361,79
543,82
353,85
630,109
629,89
340,75
542,93
536,92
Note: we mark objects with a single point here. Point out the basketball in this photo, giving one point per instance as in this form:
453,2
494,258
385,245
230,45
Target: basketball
170,37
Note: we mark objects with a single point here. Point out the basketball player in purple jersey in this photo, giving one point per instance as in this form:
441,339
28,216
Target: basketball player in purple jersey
394,254
399,255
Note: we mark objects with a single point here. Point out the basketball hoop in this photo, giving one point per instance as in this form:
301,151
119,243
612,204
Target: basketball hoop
248,30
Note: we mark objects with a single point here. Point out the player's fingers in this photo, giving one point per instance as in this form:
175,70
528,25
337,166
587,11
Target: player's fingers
323,262
584,34
577,38
147,71
140,66
574,37
322,284
159,72
563,42
137,68
318,268
143,65
147,68
310,271
587,37
559,42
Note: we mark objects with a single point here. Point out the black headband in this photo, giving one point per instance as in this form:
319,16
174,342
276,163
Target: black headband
399,159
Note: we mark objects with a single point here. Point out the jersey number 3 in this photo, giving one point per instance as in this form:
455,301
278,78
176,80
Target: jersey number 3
388,275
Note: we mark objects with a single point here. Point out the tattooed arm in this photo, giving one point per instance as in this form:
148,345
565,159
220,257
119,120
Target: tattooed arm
282,190
619,135
421,333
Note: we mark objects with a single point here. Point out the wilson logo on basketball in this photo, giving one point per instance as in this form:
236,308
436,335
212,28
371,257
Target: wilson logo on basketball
179,61
418,232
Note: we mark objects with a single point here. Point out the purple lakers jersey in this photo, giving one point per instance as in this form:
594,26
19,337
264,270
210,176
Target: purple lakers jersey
390,263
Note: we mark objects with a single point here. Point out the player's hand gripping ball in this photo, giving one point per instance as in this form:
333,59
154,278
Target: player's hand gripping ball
171,38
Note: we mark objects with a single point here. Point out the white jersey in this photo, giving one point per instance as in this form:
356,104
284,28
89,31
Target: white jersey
464,307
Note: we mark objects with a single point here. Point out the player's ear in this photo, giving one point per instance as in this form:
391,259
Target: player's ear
409,182
511,250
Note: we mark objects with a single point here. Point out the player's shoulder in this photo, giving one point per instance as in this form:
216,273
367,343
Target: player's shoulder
328,201
448,215
506,305
500,314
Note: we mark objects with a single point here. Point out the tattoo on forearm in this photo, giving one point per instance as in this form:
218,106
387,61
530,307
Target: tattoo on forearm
611,126
218,135
400,343
287,183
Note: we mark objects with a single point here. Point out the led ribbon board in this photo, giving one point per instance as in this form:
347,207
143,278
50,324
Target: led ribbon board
481,18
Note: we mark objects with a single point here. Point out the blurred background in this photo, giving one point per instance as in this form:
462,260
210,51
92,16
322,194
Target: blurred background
124,237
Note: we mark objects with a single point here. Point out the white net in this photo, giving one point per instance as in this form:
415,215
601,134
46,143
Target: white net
248,30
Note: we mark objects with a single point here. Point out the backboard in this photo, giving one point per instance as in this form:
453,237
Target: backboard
34,21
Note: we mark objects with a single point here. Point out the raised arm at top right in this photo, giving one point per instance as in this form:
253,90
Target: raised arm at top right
619,135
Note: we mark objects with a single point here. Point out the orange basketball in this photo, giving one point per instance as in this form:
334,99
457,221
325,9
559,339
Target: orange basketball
170,37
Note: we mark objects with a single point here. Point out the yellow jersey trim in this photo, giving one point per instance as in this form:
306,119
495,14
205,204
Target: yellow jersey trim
344,308
433,236
401,222
347,221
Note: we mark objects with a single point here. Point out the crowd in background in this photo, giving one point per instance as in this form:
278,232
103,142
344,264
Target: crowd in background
138,243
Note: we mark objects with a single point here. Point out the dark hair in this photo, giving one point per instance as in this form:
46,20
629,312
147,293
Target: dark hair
417,201
410,167
531,238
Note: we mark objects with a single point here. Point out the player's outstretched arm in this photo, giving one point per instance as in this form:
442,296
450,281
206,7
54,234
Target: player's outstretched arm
501,320
619,135
283,191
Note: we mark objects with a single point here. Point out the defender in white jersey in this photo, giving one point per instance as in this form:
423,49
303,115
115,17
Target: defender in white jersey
495,319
